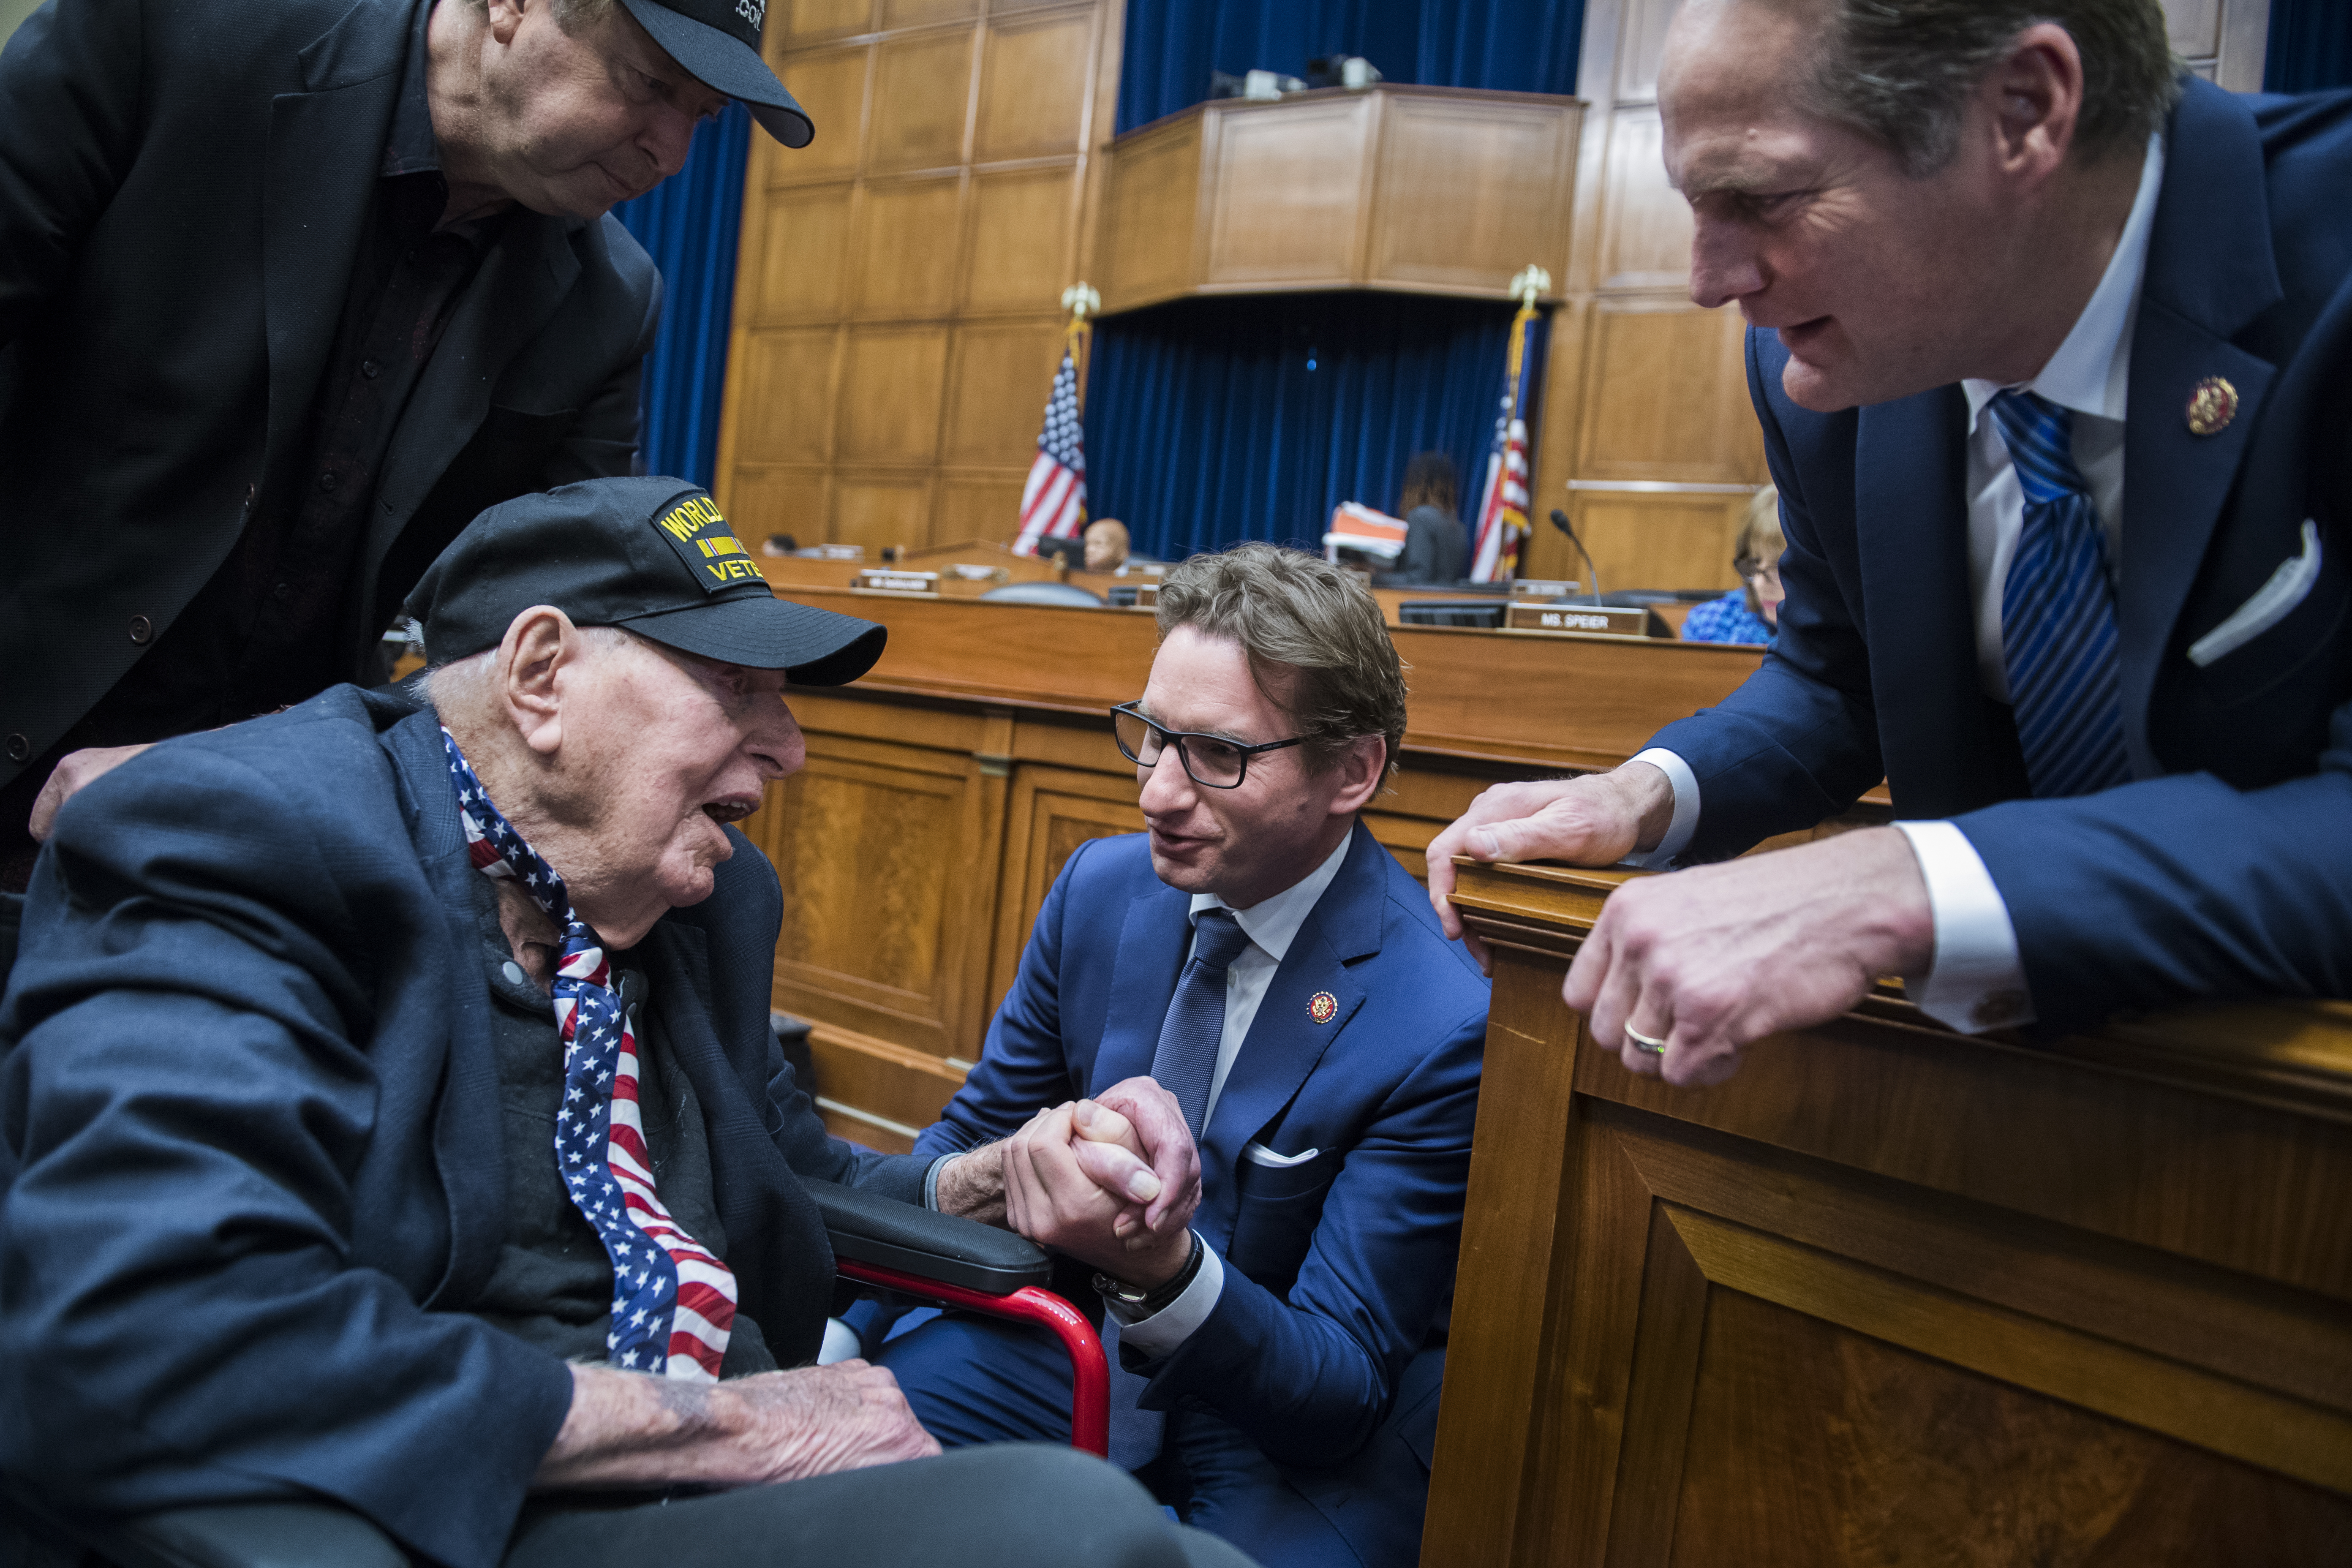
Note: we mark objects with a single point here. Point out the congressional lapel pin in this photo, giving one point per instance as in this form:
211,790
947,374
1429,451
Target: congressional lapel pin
2211,407
1323,1006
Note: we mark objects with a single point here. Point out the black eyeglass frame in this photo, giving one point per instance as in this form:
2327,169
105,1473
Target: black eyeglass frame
1183,756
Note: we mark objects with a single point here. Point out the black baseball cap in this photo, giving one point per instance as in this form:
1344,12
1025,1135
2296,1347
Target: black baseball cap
719,41
651,554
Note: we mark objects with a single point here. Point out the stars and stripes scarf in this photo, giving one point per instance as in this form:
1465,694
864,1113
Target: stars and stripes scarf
673,1302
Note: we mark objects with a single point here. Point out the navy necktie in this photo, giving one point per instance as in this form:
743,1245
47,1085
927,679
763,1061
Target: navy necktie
2058,613
1185,1063
1185,1060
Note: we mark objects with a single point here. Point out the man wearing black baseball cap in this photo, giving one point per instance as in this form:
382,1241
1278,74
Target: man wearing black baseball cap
389,1115
289,292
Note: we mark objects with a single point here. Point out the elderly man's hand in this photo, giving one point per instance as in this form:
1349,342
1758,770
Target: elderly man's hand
1597,819
1713,958
1060,1190
74,771
629,1429
816,1420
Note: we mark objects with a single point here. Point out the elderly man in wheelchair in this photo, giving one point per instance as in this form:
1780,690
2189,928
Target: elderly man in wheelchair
396,1160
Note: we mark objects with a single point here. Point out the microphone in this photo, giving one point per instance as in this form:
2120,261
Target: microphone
1591,572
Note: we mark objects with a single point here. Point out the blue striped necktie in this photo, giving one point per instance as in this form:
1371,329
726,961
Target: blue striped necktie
1185,1063
2058,613
1185,1060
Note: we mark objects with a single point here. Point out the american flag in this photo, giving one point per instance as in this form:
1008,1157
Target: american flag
673,1301
1503,506
1053,502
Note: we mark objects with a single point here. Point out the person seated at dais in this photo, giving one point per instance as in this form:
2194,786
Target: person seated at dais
1436,545
391,1115
1750,614
1261,957
1106,544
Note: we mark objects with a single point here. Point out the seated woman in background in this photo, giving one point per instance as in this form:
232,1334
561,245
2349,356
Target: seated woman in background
1436,545
1751,614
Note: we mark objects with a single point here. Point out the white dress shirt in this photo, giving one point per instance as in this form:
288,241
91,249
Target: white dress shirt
1272,924
1975,981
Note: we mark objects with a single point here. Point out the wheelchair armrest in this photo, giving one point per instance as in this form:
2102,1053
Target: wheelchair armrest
937,1246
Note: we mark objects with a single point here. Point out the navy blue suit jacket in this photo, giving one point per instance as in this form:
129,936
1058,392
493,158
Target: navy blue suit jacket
2223,868
250,1144
1337,1269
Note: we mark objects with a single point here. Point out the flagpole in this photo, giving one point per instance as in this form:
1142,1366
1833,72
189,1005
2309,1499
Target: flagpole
1503,499
1080,300
1531,282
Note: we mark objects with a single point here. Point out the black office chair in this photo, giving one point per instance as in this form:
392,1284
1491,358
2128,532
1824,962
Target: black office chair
875,1242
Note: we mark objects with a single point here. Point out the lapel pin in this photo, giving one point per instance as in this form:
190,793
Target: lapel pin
1323,1006
2211,407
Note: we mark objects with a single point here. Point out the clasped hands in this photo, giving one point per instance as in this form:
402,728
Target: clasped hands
1111,1180
1711,958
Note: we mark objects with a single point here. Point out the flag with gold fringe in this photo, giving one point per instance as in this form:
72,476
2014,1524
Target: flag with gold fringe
1503,502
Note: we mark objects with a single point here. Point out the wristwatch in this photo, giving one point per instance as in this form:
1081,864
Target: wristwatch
1138,1302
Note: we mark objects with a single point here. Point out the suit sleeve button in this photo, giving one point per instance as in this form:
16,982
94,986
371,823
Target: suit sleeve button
20,750
142,630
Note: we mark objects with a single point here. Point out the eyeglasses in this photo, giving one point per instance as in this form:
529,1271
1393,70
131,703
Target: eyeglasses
1751,570
1210,761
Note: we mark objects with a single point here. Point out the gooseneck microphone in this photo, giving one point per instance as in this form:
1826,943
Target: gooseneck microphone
1591,572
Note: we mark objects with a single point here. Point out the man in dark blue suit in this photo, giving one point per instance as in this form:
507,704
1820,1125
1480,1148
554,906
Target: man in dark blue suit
2053,351
389,1113
1274,971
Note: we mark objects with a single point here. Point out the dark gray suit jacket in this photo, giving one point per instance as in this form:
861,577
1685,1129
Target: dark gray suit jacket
184,185
251,1175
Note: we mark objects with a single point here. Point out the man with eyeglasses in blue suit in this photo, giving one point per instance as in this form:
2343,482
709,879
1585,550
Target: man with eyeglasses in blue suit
1257,958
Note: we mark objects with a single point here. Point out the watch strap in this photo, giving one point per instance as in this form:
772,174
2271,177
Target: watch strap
1144,1303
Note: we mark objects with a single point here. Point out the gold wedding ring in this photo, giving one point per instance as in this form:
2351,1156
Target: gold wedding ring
1646,1044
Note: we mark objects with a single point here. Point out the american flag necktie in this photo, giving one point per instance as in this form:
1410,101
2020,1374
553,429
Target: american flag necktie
673,1302
2058,613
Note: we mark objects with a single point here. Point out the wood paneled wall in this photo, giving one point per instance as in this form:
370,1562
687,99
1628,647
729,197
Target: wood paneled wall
897,309
1648,440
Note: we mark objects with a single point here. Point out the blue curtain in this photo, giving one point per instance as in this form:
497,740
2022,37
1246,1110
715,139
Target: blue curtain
1214,420
1217,420
690,225
2310,46
1518,46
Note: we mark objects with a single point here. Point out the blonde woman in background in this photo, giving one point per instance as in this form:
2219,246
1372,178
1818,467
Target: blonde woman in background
1750,614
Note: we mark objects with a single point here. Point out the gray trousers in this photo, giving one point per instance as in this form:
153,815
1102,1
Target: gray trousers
1012,1505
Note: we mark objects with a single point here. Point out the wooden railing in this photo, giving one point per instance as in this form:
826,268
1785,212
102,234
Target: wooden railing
1894,1295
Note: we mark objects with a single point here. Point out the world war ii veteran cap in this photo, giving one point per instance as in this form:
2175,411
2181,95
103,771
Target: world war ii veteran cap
651,554
719,42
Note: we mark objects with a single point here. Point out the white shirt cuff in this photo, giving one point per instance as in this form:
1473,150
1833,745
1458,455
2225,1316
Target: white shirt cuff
1976,981
1685,826
1160,1333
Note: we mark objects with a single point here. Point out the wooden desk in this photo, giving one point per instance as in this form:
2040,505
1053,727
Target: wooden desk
789,574
944,790
1895,1296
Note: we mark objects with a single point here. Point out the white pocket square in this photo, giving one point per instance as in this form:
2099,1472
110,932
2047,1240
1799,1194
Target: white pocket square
2288,587
1259,1154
